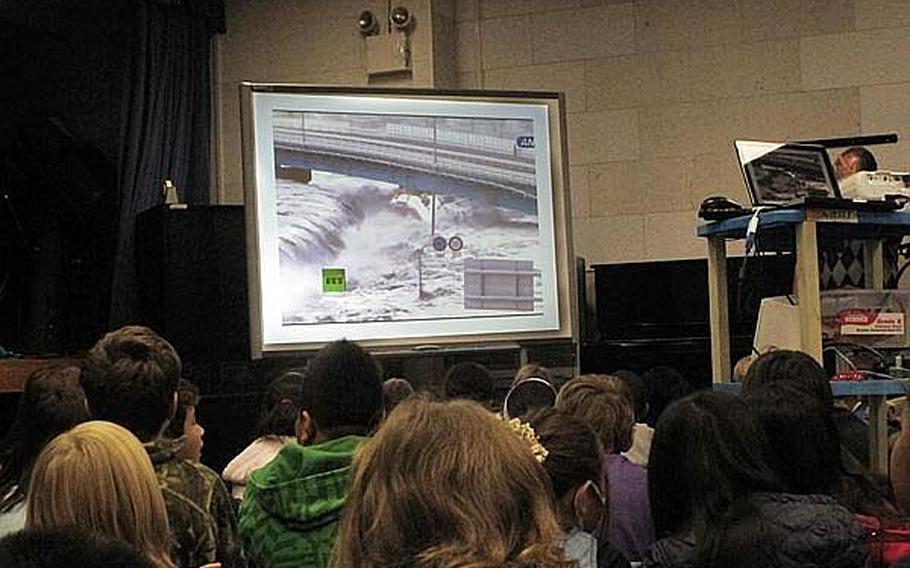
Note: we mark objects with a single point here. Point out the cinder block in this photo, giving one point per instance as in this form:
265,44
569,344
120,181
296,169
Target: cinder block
666,77
716,22
745,70
603,136
874,14
885,109
611,239
683,129
775,19
466,46
466,10
824,113
664,182
567,77
616,189
580,190
466,80
715,174
664,25
672,236
585,33
502,8
506,42
854,59
613,82
760,118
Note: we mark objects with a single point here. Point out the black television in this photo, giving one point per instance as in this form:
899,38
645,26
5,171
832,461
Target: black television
405,217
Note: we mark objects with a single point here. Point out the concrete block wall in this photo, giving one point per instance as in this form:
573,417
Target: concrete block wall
656,90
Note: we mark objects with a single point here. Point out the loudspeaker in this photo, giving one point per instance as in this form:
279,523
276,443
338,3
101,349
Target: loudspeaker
191,266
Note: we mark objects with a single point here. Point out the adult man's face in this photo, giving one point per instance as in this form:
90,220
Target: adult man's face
846,165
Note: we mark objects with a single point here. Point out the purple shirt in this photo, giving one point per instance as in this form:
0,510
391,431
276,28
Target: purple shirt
631,530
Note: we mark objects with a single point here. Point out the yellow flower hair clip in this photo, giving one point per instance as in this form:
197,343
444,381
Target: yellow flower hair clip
527,432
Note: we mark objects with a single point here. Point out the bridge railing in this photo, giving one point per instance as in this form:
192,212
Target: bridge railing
429,158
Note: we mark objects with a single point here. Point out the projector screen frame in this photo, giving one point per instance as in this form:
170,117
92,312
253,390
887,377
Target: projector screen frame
565,278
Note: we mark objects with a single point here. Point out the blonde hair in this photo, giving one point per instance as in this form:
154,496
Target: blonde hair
99,477
603,402
444,485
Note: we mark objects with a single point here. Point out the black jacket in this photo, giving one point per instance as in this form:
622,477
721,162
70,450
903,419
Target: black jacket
802,531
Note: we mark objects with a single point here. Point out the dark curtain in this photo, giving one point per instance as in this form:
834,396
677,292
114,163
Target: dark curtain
166,133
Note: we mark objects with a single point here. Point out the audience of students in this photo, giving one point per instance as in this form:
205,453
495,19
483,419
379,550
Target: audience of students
346,471
804,373
70,547
275,429
663,385
717,502
394,392
97,476
471,381
289,515
641,432
526,395
448,485
601,402
52,402
130,378
184,426
575,465
533,371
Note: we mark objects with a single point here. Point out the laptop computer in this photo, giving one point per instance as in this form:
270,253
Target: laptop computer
796,175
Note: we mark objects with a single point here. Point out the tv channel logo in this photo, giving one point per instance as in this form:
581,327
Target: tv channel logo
334,281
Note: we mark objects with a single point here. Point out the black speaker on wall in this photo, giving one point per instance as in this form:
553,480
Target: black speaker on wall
192,279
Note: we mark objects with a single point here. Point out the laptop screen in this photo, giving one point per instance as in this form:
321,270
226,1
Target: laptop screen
778,173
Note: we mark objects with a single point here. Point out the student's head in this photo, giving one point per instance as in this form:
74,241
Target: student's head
527,395
99,477
280,406
186,422
447,484
533,371
707,452
575,466
130,378
790,367
51,402
72,547
343,392
601,402
663,385
471,381
394,391
637,393
803,443
852,160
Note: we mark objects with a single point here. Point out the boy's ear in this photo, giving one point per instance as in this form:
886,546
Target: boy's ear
303,427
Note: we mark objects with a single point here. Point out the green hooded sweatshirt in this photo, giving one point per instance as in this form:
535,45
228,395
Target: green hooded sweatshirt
289,515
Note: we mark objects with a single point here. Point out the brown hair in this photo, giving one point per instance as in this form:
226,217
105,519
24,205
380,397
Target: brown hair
52,402
130,378
98,476
574,456
603,403
532,371
447,484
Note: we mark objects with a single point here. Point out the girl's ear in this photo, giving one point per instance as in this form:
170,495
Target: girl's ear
589,507
303,427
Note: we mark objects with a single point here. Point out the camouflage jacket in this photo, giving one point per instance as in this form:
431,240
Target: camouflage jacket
200,512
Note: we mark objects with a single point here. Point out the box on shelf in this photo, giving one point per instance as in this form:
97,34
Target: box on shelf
877,318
